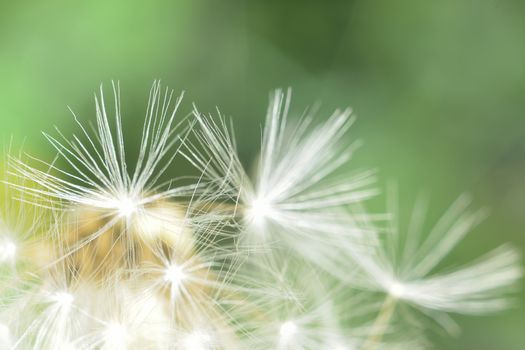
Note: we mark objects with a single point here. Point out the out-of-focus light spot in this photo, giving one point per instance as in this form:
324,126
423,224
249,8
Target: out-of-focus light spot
340,347
67,346
63,299
126,206
5,337
288,330
258,211
174,274
261,207
116,336
196,341
7,251
397,290
150,226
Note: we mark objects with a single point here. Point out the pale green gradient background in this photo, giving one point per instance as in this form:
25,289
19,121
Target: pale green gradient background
439,87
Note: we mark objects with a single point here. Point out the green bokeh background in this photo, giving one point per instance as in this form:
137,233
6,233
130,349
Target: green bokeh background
439,88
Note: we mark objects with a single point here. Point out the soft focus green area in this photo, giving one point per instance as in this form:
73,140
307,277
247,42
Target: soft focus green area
439,87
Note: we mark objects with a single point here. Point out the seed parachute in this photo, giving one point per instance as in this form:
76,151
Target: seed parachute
176,244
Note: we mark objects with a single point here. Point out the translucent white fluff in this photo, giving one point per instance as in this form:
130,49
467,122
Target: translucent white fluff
406,266
299,182
100,177
285,259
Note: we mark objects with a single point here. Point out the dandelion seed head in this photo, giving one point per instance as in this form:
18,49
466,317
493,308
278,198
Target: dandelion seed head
176,271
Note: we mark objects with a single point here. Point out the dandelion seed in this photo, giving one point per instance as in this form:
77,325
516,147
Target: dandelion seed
405,267
192,285
297,186
121,315
131,262
20,223
46,312
100,180
295,308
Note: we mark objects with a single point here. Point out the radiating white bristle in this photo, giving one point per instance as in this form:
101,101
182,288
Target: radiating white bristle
286,258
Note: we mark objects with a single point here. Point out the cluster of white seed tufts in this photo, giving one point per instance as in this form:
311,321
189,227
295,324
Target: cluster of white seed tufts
103,253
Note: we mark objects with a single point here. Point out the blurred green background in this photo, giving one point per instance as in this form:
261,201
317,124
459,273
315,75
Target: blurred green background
439,88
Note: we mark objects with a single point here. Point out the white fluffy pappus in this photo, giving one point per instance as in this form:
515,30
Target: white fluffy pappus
406,265
20,222
100,178
300,180
137,263
288,305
